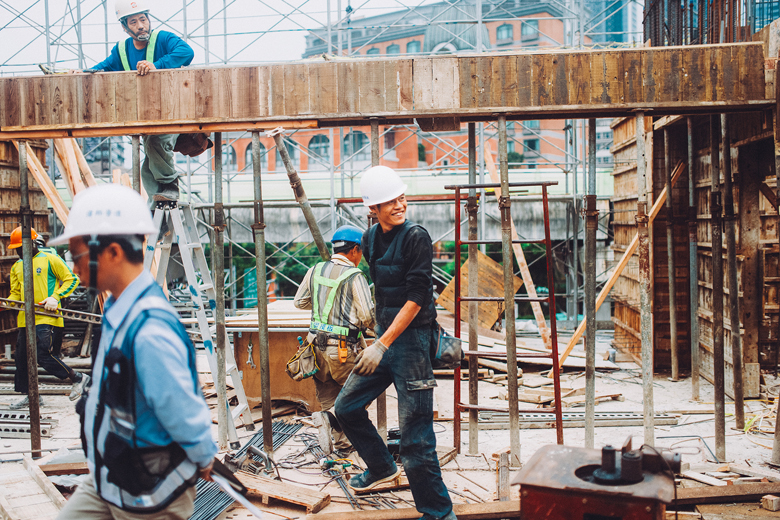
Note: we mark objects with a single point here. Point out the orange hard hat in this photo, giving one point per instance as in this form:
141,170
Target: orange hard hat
16,237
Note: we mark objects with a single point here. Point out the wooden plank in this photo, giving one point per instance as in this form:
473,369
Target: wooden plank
6,511
125,97
45,183
245,103
755,471
423,84
371,85
64,100
324,86
348,101
468,80
633,90
43,481
104,96
27,101
621,265
504,76
525,79
205,103
445,86
264,90
86,97
579,79
542,85
267,488
405,83
509,509
704,479
229,98
86,172
296,93
525,273
725,494
72,468
693,85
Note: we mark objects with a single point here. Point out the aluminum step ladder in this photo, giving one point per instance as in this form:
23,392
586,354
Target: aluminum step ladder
181,222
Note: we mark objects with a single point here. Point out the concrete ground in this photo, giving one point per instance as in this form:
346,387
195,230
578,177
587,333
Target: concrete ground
472,478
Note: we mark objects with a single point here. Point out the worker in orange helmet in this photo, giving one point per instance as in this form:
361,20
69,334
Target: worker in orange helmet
52,281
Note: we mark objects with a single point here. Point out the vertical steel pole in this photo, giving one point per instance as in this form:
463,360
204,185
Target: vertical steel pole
137,163
300,197
717,294
591,226
556,369
693,259
262,296
473,250
575,270
79,35
29,302
381,401
219,287
731,264
507,257
456,376
206,29
645,296
330,38
184,27
670,259
47,31
776,445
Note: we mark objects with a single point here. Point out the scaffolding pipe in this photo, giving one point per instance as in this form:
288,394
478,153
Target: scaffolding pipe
591,226
137,163
717,294
645,295
300,195
262,296
218,269
670,260
735,318
29,302
381,401
507,258
473,282
776,445
693,259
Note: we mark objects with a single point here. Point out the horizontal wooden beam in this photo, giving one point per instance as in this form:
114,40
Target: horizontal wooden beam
486,510
547,84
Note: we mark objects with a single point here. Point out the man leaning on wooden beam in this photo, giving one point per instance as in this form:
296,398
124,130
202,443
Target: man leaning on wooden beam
144,51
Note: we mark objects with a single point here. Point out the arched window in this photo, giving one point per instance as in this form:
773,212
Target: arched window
413,47
356,149
394,49
229,161
505,33
372,50
319,153
292,151
444,48
263,158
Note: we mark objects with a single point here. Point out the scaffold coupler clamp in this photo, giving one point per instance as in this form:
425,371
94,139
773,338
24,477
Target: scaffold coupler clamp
279,130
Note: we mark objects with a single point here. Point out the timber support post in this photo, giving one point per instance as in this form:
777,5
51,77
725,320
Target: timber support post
29,302
693,259
219,286
718,368
645,296
591,227
258,229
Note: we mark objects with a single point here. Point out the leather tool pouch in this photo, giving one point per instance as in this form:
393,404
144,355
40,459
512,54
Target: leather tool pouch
139,470
446,350
303,364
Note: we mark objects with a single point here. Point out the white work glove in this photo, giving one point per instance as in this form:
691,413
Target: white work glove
369,359
50,303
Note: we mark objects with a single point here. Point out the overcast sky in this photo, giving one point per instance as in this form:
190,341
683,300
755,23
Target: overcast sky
258,30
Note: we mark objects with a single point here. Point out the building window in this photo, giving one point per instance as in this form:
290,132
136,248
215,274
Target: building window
356,149
444,48
229,161
532,145
413,47
532,124
292,151
530,30
510,146
319,153
504,34
393,49
263,158
372,50
389,140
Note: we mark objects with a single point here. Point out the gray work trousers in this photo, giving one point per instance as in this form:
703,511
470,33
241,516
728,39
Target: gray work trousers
158,166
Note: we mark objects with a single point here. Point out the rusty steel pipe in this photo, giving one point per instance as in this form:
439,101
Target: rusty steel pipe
693,259
591,227
456,425
717,293
471,209
136,139
670,260
645,291
262,296
218,269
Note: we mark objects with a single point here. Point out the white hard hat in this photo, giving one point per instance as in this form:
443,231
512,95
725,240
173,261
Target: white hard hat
380,184
107,209
125,8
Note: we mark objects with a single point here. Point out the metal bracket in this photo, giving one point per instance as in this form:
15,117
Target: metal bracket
279,130
504,202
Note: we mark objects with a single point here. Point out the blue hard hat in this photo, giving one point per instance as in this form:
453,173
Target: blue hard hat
346,234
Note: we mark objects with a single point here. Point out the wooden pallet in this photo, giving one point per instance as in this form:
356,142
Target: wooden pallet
266,488
26,493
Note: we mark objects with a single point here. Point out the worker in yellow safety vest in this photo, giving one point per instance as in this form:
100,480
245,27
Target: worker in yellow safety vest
146,50
52,281
342,310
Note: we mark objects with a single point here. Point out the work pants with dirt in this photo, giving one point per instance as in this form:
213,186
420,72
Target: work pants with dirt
46,360
158,166
329,381
407,365
86,503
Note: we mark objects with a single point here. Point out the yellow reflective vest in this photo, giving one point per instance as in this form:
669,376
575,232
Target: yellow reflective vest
51,277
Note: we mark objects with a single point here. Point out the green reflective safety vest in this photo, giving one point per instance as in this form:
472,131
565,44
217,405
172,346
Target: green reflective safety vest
319,317
122,47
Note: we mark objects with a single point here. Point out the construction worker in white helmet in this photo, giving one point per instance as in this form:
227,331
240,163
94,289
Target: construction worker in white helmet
342,312
146,50
146,428
400,260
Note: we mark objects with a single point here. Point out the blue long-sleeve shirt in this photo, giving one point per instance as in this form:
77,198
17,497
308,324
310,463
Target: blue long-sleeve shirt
168,408
170,52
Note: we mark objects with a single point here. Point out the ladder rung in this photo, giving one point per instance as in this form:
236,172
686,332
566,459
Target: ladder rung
195,245
205,287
